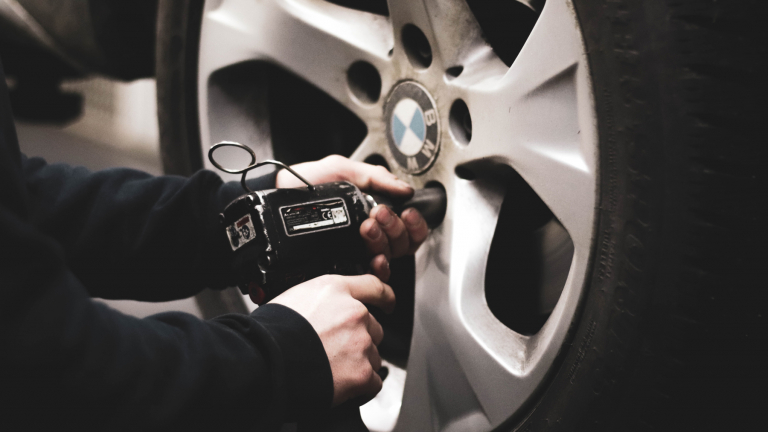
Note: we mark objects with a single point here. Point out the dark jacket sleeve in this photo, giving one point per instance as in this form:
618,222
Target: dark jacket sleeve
128,235
86,366
71,363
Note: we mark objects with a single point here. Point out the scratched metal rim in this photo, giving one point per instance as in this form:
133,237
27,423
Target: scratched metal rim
466,370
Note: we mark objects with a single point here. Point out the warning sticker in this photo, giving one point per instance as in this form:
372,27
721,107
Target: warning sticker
241,232
316,216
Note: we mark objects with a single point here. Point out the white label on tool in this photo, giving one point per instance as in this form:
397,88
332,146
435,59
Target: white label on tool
314,216
241,232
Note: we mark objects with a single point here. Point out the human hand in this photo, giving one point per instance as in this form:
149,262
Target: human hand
334,307
386,235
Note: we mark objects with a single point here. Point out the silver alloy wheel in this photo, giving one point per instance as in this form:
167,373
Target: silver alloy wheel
466,370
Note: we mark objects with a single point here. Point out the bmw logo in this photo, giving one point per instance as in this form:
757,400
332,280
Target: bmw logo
413,130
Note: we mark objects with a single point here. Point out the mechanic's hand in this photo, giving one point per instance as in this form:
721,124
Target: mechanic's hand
334,306
386,235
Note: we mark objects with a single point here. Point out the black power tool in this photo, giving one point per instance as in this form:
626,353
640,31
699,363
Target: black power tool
282,237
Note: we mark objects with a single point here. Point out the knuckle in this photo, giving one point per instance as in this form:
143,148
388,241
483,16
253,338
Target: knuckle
363,343
366,375
419,236
326,280
366,341
380,290
398,230
375,383
360,313
377,286
371,350
356,313
334,158
330,283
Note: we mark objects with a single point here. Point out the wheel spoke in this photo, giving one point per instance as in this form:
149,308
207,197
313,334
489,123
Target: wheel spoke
439,394
467,370
538,119
315,40
449,25
375,143
503,367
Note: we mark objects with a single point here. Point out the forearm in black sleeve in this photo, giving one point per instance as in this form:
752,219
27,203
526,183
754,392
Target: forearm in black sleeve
69,363
127,234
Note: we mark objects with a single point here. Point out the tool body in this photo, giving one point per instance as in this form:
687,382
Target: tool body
282,237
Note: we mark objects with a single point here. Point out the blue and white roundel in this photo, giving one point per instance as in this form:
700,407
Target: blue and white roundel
408,128
413,127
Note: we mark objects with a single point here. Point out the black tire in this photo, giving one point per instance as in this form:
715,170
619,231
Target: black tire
671,332
672,335
178,36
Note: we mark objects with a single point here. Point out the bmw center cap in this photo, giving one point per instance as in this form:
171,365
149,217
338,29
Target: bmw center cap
413,130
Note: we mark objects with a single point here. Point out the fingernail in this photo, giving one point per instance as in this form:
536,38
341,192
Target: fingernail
403,184
384,216
374,232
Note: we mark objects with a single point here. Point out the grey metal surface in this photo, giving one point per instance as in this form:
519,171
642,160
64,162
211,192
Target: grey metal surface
466,370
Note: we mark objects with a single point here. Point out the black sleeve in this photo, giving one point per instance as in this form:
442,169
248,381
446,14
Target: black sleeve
128,235
68,362
71,363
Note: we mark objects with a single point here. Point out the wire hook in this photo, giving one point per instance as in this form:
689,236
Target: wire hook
252,165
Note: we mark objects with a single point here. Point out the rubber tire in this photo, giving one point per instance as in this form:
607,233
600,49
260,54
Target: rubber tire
178,40
671,332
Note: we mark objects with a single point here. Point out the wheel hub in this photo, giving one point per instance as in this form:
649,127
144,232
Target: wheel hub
413,128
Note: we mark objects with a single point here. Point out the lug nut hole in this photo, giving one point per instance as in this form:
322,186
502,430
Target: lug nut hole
377,159
465,173
460,122
417,47
364,81
454,72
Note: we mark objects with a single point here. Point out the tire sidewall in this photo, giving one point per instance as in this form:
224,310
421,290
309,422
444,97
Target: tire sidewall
662,339
587,384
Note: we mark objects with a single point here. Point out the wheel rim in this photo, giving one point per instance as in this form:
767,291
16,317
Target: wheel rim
466,370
